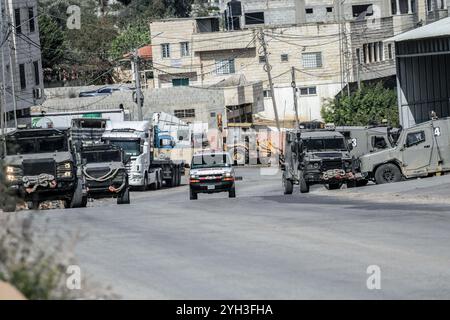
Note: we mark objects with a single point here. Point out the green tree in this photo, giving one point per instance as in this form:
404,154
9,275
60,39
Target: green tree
370,104
133,37
53,42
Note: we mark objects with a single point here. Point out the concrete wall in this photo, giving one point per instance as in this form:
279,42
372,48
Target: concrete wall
203,101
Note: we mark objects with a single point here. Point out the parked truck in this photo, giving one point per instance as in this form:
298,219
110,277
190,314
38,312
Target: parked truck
146,168
420,151
40,165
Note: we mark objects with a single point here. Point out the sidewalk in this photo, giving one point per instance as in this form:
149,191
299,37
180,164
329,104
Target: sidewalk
435,190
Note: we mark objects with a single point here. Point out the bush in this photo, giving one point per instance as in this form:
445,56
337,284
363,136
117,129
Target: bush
369,105
36,265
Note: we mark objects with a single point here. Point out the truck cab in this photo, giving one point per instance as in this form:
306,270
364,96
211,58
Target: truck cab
420,151
40,165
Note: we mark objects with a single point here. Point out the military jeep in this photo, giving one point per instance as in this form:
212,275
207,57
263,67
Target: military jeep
318,157
39,165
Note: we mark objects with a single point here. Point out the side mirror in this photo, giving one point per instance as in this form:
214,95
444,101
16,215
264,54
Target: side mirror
350,146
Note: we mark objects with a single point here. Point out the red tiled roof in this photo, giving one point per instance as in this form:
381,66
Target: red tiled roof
145,53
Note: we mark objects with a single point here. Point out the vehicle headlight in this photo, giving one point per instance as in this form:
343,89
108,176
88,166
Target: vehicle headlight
11,178
9,169
314,165
194,176
228,175
65,170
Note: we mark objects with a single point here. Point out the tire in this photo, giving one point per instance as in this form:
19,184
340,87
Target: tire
288,186
124,197
159,181
232,193
34,205
193,195
362,183
388,173
304,186
334,186
145,186
10,205
84,202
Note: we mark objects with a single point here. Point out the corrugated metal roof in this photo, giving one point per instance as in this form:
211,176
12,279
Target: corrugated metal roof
439,28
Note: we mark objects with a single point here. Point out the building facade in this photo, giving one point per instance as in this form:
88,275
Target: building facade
327,47
21,65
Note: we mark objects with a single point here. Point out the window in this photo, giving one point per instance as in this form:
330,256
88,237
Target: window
308,91
165,50
185,49
309,10
23,80
31,21
267,94
254,18
379,143
284,57
187,113
390,53
329,9
17,21
184,82
415,138
225,66
358,55
262,59
37,80
312,60
362,11
373,52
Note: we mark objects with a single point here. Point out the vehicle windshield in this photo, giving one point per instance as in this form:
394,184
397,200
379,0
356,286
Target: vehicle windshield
101,156
325,144
36,145
211,161
131,148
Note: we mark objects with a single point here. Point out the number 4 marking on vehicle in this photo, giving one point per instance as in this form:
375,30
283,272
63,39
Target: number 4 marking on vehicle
437,131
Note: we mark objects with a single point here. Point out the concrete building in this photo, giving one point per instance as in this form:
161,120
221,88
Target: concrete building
330,47
21,67
423,69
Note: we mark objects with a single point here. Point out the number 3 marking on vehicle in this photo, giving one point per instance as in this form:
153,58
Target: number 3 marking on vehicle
355,143
437,132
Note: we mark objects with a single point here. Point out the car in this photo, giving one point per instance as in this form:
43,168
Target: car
105,91
212,172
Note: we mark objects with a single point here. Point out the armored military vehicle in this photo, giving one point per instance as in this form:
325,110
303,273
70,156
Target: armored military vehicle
105,174
317,157
420,151
40,165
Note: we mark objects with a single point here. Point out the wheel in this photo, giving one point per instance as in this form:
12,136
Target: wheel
180,174
9,205
124,198
304,186
232,193
288,186
193,195
159,181
34,205
84,202
145,186
362,183
351,184
334,186
388,173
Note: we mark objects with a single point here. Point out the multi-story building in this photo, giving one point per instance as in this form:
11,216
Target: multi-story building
21,66
329,47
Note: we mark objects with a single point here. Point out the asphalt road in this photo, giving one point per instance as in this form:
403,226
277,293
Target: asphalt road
261,245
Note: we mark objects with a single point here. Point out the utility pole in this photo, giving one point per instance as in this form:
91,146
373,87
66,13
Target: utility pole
12,64
294,90
268,69
137,79
2,94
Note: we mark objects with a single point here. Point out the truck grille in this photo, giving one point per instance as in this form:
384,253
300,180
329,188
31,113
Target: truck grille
39,166
98,173
331,164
